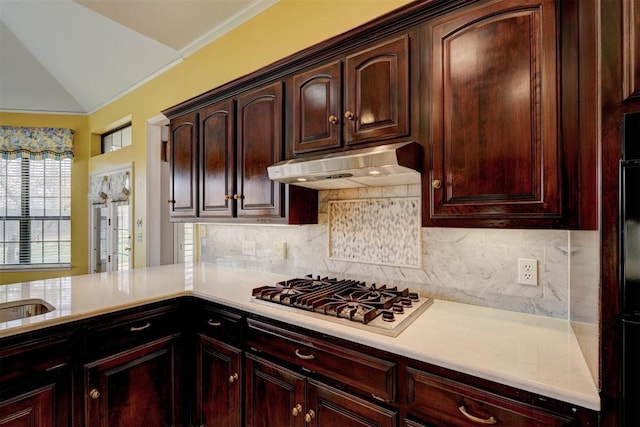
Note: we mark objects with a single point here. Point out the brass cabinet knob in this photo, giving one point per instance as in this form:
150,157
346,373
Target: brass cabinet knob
94,393
436,184
296,410
333,119
228,197
309,416
233,378
349,116
171,201
238,196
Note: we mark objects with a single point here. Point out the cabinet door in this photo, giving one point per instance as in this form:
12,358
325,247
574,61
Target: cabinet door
493,95
35,379
184,168
377,93
331,407
218,384
317,109
273,395
217,160
259,145
33,409
138,387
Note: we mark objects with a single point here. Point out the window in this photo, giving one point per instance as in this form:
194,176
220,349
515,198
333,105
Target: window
35,212
116,139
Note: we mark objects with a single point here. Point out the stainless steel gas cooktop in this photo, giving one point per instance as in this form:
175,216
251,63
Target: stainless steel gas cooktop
381,309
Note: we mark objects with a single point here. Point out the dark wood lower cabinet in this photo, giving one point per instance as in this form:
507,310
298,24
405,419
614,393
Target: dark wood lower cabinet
277,396
218,383
333,407
32,409
138,387
274,395
226,368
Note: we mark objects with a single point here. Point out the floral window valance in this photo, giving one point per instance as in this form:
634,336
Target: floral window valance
36,143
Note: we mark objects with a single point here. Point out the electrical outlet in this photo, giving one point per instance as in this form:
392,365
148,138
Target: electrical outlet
528,271
280,250
248,247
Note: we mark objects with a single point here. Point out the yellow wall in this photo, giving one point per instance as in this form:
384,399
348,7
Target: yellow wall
79,190
285,28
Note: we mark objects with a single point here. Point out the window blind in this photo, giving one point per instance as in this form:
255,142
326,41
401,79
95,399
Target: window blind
35,212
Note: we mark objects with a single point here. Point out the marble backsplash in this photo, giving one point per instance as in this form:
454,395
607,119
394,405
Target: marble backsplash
475,266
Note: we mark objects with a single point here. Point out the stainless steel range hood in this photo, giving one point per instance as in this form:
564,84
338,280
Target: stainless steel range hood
393,164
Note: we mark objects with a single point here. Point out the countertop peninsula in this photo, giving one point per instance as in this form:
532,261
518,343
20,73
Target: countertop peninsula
534,353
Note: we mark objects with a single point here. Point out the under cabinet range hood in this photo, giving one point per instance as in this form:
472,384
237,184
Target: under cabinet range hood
384,165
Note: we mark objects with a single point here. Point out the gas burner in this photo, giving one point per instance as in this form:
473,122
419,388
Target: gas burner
383,309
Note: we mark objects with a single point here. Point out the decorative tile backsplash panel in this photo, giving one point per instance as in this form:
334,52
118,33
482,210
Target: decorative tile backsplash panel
378,231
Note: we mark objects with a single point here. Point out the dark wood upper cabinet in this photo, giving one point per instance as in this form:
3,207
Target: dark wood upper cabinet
492,91
184,166
368,101
377,92
220,155
317,116
217,154
631,46
260,144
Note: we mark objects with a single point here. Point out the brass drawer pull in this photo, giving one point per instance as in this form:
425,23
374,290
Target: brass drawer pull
140,328
490,420
349,116
54,367
304,356
333,119
212,322
436,184
381,399
233,378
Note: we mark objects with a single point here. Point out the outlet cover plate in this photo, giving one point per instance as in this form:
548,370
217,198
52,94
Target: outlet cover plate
528,271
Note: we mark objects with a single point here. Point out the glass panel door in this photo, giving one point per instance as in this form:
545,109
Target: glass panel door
100,232
122,236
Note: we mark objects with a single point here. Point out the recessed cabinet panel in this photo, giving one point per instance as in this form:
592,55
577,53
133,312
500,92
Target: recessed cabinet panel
631,54
271,395
333,408
260,144
218,383
377,93
217,157
184,154
33,409
317,115
133,388
493,97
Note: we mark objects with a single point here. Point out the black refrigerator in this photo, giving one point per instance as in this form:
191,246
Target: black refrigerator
630,268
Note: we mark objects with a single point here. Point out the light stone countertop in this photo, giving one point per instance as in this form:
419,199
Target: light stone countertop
534,353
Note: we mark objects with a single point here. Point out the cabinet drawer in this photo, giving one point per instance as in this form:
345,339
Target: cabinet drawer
443,402
35,359
221,324
122,332
373,376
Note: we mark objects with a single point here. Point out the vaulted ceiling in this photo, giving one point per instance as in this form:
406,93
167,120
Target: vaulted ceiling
75,56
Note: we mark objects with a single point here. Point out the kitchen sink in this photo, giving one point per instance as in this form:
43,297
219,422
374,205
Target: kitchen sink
21,309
